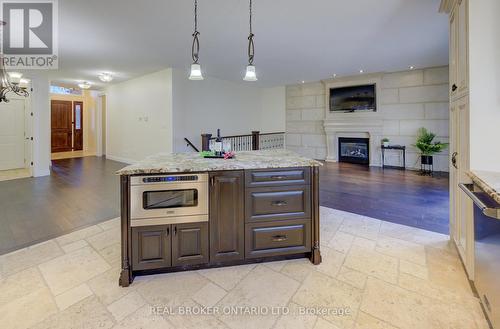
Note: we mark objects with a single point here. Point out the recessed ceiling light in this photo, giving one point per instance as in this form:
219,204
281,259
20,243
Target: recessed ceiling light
412,67
361,71
85,85
106,77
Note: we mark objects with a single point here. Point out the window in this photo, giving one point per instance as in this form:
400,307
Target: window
78,116
64,91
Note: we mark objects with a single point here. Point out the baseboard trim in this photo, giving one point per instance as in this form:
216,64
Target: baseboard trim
120,159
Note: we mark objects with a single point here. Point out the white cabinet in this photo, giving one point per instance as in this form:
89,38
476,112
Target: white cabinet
459,50
461,208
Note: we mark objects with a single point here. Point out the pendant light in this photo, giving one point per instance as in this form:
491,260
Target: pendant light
250,74
195,48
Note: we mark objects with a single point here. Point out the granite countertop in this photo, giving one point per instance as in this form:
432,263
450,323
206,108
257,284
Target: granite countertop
193,162
488,181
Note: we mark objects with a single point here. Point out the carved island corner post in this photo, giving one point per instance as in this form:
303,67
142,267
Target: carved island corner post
126,273
315,254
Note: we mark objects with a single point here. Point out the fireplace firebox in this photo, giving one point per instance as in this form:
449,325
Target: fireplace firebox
354,150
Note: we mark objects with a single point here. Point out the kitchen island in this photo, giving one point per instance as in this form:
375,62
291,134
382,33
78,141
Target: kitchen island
184,212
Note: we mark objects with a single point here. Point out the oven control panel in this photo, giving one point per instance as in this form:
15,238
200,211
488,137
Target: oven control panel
162,179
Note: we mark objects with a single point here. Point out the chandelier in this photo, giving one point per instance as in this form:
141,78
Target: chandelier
10,83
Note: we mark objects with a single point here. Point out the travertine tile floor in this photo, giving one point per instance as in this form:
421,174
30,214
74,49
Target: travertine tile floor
382,275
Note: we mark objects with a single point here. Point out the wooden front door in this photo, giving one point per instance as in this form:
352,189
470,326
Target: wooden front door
78,120
61,123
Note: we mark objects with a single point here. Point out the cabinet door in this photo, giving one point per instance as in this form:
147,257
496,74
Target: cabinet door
462,78
453,53
227,221
151,247
189,244
461,209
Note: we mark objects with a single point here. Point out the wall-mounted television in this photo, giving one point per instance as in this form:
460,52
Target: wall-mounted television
354,98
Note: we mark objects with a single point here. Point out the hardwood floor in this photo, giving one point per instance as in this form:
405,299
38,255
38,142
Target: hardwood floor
84,191
80,192
402,197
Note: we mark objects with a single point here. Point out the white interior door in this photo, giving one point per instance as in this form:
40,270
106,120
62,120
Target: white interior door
12,140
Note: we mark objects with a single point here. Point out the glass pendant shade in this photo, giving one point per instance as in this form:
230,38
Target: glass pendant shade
195,72
15,77
250,74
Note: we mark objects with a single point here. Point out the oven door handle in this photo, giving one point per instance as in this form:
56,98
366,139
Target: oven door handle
467,188
487,211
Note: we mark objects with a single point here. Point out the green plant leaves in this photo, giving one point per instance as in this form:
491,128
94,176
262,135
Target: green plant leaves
425,145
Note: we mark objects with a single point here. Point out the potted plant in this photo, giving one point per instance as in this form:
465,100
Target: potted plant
385,142
427,147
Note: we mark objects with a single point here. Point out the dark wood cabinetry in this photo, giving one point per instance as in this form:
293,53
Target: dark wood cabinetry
227,222
277,177
254,215
277,212
277,203
189,244
278,238
169,245
151,247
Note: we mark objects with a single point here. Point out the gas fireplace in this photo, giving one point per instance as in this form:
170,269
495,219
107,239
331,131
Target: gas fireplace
354,150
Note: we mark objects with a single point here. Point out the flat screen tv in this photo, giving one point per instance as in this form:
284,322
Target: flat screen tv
352,99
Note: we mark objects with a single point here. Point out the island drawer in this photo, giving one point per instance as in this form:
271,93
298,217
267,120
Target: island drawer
277,203
277,177
277,238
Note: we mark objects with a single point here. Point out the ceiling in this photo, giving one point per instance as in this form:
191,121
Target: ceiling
295,40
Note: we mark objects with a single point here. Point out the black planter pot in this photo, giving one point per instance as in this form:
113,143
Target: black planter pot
427,160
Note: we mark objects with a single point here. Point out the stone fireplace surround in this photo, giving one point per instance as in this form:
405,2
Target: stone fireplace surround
358,124
361,128
406,101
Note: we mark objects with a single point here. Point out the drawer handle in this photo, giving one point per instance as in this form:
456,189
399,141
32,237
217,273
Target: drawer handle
279,203
278,177
279,238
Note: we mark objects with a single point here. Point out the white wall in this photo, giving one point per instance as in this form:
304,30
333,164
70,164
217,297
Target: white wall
235,108
154,113
273,116
139,117
407,101
484,61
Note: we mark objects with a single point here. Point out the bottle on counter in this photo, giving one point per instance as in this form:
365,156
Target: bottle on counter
218,144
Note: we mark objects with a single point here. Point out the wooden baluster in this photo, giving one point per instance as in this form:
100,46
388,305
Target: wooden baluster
255,140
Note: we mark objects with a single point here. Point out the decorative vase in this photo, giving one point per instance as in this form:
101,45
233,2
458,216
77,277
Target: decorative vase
427,160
